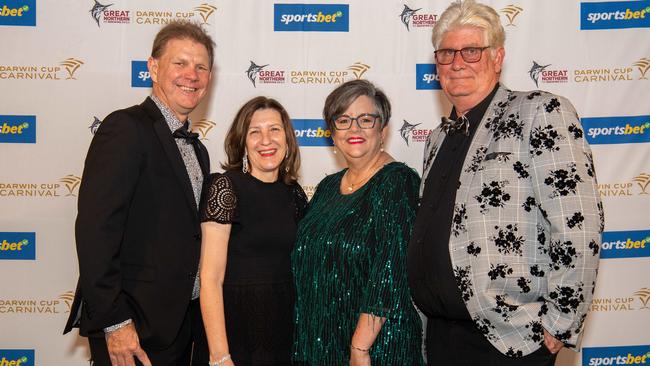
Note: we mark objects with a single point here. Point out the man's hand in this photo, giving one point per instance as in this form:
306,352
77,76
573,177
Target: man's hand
554,346
123,344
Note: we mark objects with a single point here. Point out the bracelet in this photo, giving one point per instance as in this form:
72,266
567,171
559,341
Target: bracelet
115,327
360,349
220,361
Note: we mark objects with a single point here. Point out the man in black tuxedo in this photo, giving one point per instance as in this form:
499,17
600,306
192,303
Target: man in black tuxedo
138,230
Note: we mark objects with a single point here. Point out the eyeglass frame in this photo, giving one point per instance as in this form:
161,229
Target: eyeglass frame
356,119
435,54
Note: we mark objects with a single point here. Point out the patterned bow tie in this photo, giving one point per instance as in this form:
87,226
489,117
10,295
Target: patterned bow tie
184,133
450,126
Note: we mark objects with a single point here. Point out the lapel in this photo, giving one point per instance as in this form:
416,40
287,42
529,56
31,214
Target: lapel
482,139
434,141
172,153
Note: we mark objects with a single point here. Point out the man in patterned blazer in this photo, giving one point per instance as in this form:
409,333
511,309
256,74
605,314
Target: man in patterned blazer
504,252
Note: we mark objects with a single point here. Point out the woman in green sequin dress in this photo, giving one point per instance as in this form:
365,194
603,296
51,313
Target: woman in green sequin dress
352,298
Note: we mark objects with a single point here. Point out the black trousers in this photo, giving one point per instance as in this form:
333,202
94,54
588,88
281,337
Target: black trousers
179,353
459,343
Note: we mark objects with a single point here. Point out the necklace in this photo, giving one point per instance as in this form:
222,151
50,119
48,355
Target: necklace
355,185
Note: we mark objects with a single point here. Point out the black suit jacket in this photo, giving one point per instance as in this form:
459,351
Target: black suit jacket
138,233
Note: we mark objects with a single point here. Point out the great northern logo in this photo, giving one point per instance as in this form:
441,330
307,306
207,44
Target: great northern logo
267,74
541,73
411,17
203,127
409,132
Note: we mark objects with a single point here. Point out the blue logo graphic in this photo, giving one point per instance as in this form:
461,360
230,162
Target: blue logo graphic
617,130
16,357
426,77
625,355
18,129
625,244
312,132
615,14
20,246
18,12
311,18
140,77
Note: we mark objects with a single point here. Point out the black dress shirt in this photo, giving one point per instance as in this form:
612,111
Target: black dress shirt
436,292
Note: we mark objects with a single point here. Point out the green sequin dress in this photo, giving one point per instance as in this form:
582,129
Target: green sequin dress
350,258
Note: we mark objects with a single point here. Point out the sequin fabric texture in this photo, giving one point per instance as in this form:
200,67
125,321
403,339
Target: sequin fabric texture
350,258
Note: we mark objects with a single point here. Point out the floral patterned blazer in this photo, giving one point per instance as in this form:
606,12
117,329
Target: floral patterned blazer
527,222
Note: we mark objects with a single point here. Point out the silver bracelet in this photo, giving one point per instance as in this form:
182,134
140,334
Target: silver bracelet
220,361
115,327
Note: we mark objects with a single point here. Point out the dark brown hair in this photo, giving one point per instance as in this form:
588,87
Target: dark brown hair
182,29
235,143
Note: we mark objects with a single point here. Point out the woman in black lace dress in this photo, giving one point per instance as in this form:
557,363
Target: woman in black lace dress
249,217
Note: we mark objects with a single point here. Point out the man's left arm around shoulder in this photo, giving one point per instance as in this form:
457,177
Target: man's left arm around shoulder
566,191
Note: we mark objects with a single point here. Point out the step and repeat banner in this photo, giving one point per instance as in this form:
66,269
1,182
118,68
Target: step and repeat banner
64,65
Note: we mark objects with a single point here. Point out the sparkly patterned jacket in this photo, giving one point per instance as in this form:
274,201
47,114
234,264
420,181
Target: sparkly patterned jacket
527,222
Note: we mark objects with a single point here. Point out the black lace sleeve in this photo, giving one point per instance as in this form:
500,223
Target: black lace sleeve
299,201
220,200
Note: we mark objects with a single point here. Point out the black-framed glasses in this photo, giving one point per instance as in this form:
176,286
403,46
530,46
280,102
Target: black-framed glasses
445,56
364,121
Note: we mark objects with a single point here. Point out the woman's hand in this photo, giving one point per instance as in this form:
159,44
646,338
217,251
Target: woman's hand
359,358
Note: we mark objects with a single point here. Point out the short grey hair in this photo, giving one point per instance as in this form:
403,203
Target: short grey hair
345,94
470,13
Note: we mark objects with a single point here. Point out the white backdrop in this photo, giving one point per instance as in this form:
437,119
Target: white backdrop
66,64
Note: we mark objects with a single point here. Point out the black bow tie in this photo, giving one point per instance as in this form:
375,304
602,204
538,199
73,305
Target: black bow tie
450,126
184,133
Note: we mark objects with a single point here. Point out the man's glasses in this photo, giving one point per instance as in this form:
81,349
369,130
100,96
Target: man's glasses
364,121
446,56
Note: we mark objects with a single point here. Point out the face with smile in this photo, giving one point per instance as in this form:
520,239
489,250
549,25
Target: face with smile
357,144
266,144
467,84
181,75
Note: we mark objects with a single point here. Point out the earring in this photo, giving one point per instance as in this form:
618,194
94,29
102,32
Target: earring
381,146
334,149
244,163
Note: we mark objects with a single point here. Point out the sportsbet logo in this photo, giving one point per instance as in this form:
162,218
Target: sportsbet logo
312,132
18,245
16,357
617,130
625,244
17,129
311,17
426,77
615,14
630,355
140,77
22,13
